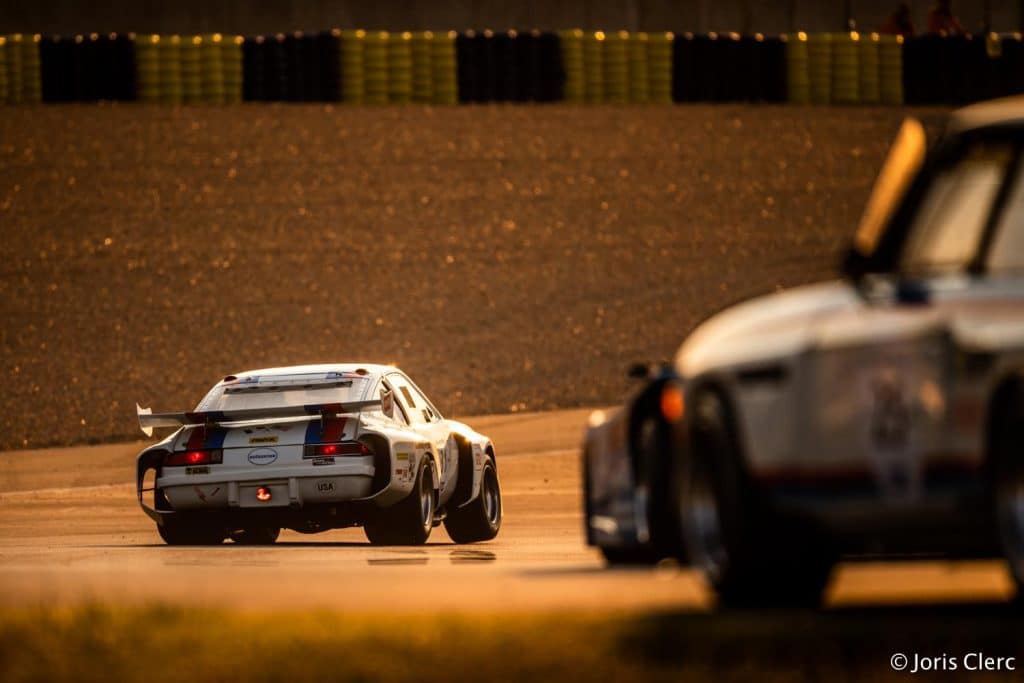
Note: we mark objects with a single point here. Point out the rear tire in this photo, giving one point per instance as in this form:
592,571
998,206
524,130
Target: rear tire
750,556
640,556
480,519
410,521
259,535
177,531
1008,461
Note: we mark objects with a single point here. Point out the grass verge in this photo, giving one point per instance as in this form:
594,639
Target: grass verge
161,643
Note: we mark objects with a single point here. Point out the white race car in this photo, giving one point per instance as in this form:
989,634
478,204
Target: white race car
877,415
313,448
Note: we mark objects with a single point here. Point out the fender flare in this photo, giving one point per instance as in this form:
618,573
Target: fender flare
149,460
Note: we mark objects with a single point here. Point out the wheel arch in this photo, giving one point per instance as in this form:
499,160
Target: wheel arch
1005,387
465,490
718,387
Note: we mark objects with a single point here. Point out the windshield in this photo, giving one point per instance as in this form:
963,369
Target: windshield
904,161
947,230
276,391
1007,252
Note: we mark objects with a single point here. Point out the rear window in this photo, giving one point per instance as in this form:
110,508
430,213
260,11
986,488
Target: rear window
276,391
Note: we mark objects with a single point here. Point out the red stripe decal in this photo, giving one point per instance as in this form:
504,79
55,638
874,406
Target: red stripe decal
332,430
196,438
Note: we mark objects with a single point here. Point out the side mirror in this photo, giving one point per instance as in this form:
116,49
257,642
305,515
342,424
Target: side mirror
854,265
649,370
639,370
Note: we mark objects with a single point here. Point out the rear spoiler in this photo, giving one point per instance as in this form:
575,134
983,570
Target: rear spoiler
148,419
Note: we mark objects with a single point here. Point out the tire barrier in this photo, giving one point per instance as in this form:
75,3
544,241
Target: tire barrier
232,57
169,79
869,73
798,78
83,68
191,70
3,70
399,69
572,65
352,73
444,68
960,69
597,67
422,71
593,67
639,75
730,68
890,70
211,68
616,67
505,67
31,75
660,47
819,54
845,68
375,66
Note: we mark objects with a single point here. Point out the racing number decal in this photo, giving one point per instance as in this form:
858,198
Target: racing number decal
890,414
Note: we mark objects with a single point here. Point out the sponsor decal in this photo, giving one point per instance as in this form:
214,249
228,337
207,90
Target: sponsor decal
323,461
325,486
402,456
197,470
262,456
262,439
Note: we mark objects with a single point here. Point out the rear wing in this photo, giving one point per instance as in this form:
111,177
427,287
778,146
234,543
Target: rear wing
148,419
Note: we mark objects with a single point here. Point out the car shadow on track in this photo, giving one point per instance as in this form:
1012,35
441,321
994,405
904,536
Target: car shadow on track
843,642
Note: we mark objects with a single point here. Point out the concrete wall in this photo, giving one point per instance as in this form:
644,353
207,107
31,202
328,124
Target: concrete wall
268,16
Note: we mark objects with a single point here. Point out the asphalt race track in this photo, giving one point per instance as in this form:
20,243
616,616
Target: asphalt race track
71,532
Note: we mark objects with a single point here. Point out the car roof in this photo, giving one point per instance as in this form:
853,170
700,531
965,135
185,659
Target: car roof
373,369
1005,112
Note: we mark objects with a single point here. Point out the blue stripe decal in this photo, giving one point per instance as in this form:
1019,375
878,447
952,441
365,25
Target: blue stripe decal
215,437
313,432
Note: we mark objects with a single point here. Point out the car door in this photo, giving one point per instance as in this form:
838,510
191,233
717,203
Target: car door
882,375
425,419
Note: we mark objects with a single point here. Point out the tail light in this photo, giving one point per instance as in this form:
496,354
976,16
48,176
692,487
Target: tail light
673,403
337,450
209,456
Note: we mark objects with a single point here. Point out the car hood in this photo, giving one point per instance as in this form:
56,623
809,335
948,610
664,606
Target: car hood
762,328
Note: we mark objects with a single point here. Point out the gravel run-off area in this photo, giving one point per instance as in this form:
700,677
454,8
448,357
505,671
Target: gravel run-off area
510,258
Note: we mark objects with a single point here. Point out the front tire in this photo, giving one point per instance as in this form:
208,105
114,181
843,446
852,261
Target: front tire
480,519
748,555
410,521
1008,460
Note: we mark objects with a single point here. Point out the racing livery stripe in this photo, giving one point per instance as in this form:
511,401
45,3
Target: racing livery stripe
206,437
215,437
195,439
325,431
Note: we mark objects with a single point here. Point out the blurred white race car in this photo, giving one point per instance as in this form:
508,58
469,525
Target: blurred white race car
882,414
313,448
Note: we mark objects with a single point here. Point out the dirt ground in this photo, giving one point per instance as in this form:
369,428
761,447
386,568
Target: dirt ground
509,258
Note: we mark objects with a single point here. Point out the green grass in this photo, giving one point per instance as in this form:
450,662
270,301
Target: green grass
159,643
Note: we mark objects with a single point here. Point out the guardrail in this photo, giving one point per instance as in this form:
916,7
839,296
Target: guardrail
575,66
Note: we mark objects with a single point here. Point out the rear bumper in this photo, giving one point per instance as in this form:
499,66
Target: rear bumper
289,486
299,490
290,492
